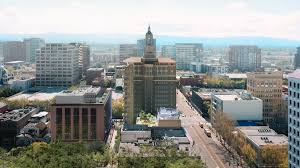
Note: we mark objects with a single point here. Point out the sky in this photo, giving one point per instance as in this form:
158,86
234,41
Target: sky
188,18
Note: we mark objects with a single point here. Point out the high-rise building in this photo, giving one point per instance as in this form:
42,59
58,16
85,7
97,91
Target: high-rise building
149,82
1,52
244,58
84,57
81,115
186,53
126,51
14,51
294,118
168,51
57,65
31,45
297,58
268,87
140,47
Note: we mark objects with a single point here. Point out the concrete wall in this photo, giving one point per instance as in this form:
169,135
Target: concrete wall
133,136
243,109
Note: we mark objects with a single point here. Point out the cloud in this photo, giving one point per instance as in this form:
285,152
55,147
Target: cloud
197,18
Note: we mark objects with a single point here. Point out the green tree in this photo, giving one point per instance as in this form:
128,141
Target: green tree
118,108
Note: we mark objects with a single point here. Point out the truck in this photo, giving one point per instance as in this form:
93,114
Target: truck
207,132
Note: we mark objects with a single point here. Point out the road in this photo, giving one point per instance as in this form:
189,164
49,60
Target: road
210,150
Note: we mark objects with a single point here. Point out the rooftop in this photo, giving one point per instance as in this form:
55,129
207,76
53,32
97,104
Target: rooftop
263,135
231,97
82,91
95,69
16,114
295,74
168,114
139,59
136,127
236,75
161,132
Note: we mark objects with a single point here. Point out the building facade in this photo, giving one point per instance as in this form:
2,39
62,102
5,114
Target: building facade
11,124
294,118
244,58
14,51
187,53
297,58
242,107
259,137
140,47
149,82
31,45
81,115
268,87
57,65
126,51
168,51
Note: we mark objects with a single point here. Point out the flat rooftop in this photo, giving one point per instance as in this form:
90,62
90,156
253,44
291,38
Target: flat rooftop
204,95
168,114
236,75
295,74
263,135
231,97
81,91
16,114
139,59
31,96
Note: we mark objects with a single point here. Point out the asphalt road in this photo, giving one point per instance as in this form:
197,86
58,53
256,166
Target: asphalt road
210,150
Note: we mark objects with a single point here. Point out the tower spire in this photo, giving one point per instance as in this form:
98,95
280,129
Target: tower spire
149,28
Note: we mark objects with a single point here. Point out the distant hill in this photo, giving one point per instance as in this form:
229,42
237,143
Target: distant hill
161,40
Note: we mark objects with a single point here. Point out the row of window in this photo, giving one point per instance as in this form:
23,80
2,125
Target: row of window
294,114
294,122
294,84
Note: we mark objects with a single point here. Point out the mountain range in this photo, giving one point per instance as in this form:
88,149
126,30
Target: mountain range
161,39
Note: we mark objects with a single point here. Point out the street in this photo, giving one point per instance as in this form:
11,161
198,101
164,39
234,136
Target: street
209,148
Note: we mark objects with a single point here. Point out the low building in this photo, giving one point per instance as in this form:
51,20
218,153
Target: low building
238,107
92,74
168,117
141,134
37,130
202,100
135,133
81,115
261,136
191,80
21,84
214,68
11,124
236,76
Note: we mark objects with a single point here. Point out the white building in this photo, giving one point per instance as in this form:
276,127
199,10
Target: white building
57,65
186,53
294,118
31,45
21,84
238,107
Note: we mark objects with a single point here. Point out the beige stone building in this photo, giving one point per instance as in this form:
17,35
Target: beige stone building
149,82
268,87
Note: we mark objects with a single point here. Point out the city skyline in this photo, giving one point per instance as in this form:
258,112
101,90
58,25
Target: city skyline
219,18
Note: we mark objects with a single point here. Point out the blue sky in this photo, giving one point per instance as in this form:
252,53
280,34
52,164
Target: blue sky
201,18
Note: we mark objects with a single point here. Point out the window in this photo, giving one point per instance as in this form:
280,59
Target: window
58,123
76,123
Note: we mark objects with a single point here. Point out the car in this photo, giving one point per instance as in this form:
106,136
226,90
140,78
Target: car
207,132
201,125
